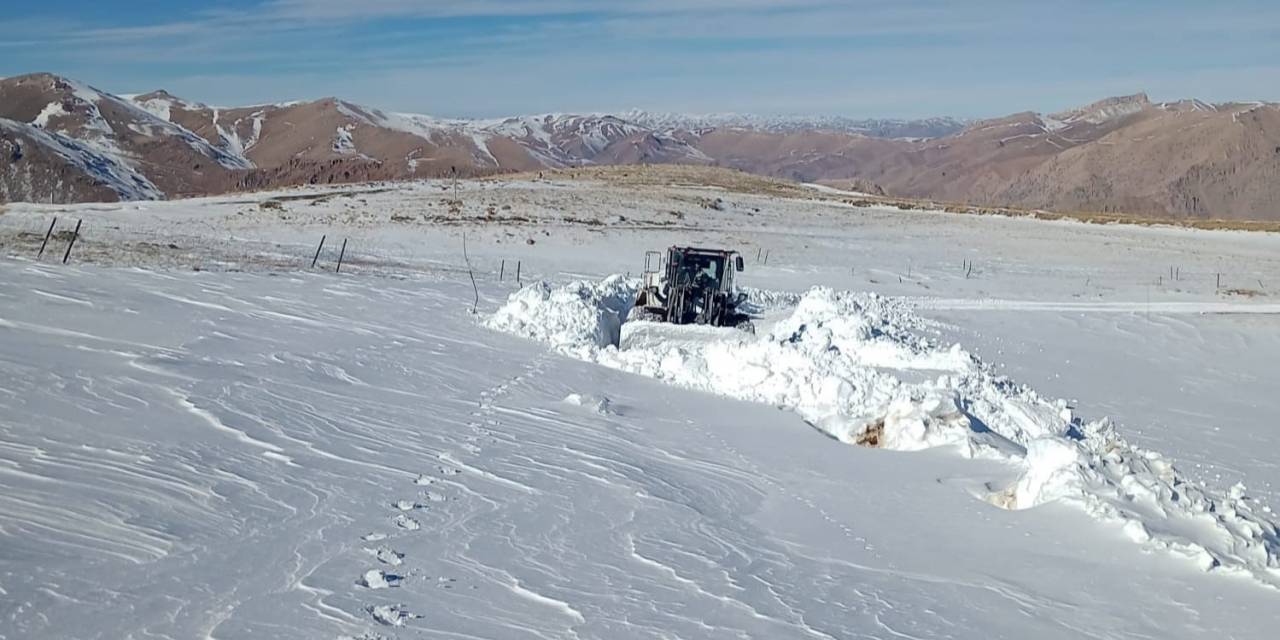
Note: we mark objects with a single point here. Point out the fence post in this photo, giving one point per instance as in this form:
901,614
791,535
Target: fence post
74,235
340,255
502,270
467,259
518,273
313,260
47,236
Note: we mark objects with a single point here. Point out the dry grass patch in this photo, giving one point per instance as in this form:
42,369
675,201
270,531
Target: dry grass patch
872,435
1091,217
732,180
673,175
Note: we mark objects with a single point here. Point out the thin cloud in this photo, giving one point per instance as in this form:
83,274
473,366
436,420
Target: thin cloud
343,9
869,57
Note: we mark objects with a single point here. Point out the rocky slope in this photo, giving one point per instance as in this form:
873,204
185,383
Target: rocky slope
49,125
1127,154
64,140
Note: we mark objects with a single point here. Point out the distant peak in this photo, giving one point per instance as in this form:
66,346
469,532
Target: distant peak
1188,105
873,127
1140,98
158,94
39,75
1106,109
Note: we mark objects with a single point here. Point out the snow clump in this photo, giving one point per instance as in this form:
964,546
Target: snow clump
574,316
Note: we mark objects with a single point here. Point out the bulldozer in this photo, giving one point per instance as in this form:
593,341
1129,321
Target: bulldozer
691,285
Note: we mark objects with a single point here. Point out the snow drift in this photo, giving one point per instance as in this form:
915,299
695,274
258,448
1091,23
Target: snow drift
575,318
858,367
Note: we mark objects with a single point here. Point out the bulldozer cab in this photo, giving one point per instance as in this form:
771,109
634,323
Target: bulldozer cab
702,268
692,285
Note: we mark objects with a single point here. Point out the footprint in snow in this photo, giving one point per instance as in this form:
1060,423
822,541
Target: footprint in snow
379,579
407,523
373,537
406,505
432,496
392,615
387,555
470,448
449,471
424,480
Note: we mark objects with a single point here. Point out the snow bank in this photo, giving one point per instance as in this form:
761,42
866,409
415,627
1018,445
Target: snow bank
576,318
857,367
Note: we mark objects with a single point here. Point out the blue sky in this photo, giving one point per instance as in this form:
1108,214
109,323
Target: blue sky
860,58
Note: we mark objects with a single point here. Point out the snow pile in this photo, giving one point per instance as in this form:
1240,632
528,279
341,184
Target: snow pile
1111,479
391,615
822,362
576,318
857,367
378,579
599,404
766,300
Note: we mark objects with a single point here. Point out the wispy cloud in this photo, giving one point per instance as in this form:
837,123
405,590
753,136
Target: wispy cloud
340,9
858,57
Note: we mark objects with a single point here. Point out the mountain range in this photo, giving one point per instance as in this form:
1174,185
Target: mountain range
65,141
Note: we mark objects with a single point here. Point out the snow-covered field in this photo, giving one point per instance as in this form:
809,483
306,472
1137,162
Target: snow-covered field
202,437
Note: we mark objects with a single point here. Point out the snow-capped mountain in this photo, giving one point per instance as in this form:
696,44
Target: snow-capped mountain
873,128
1105,110
562,140
116,145
405,144
63,140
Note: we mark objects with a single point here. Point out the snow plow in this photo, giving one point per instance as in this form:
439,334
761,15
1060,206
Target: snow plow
691,285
